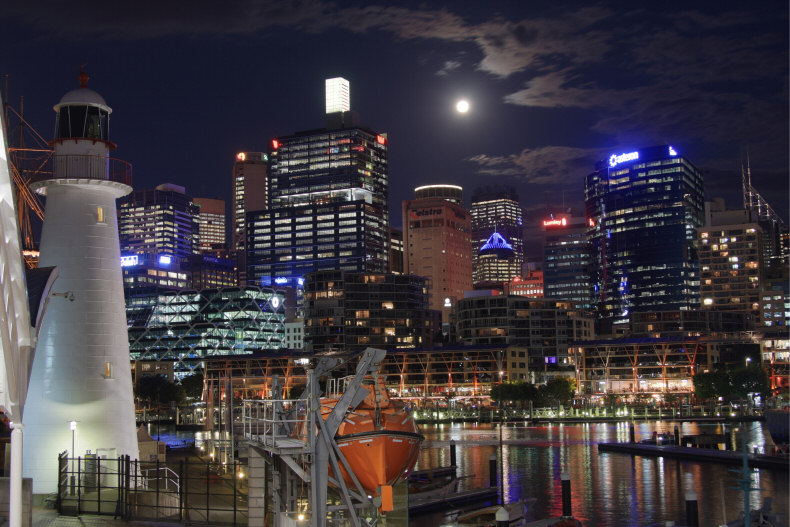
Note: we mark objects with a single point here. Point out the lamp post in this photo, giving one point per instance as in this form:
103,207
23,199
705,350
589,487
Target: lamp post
73,428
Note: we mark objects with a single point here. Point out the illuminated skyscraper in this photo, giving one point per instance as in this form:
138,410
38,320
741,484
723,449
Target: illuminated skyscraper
211,224
159,222
496,210
327,209
338,95
437,244
249,193
567,260
643,209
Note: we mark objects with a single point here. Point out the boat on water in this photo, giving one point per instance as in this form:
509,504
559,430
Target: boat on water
379,437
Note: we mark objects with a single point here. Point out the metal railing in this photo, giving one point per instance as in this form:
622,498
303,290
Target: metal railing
187,490
269,421
86,167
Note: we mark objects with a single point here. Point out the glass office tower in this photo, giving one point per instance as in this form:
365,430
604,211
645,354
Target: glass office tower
327,207
643,209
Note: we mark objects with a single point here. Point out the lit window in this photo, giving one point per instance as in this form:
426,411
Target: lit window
100,215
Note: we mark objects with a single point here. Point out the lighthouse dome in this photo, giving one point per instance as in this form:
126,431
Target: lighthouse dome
82,114
84,97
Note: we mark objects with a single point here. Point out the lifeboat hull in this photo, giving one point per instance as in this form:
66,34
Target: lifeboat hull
381,442
378,458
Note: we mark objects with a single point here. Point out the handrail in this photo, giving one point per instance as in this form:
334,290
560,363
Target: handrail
169,476
268,421
86,167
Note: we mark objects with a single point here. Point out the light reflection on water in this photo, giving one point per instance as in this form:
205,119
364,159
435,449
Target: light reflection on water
607,489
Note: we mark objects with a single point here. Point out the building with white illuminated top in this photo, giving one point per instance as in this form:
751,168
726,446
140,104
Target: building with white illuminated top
643,209
80,396
338,95
327,206
496,210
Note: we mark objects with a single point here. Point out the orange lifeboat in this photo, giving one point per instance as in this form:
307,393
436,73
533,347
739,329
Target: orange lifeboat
379,438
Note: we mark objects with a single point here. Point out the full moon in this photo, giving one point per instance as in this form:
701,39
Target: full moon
462,106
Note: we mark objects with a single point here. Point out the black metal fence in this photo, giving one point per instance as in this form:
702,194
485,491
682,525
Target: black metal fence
188,490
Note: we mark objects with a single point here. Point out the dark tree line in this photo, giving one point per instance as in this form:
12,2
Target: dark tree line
156,390
557,391
735,383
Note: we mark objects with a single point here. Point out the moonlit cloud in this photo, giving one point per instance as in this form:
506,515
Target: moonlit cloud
539,166
449,65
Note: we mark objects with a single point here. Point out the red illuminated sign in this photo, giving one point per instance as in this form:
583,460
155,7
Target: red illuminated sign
591,222
275,144
241,156
380,139
555,223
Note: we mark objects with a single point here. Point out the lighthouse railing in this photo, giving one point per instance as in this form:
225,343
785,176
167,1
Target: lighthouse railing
86,167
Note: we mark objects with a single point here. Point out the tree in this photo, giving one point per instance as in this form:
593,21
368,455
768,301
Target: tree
559,390
712,384
157,390
193,385
751,379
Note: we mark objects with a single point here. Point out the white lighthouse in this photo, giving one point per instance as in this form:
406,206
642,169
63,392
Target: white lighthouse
80,397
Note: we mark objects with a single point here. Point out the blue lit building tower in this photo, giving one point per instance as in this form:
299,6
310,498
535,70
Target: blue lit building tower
327,203
495,210
643,209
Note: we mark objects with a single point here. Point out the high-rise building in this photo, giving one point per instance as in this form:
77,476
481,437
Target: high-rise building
328,193
496,210
249,193
567,260
162,222
352,311
211,224
643,209
437,244
731,262
396,251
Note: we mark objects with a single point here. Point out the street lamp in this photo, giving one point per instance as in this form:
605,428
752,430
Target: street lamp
73,428
748,360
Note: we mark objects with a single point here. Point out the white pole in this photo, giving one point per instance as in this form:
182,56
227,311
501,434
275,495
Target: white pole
15,480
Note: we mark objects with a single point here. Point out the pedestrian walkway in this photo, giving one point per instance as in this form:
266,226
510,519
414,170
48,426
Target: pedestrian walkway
43,517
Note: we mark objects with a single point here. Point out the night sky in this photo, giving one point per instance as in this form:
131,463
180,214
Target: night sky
553,86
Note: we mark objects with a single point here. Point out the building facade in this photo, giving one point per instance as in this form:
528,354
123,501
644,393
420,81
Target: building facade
643,209
327,205
353,311
567,264
188,326
162,222
731,263
211,224
538,331
437,245
496,210
249,193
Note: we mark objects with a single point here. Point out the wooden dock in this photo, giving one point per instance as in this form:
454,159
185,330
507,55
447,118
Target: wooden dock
453,500
724,457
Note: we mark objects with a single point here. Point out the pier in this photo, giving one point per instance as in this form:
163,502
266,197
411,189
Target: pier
724,457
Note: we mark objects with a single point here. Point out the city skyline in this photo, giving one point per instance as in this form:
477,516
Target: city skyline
552,89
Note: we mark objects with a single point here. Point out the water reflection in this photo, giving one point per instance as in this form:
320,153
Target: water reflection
607,489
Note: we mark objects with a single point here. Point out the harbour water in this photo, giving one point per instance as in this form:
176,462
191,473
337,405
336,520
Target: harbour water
608,490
